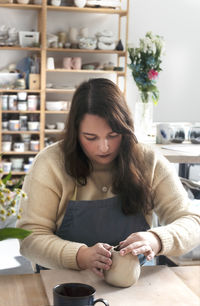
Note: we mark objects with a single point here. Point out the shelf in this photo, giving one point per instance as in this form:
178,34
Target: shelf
16,173
60,90
87,10
21,132
120,53
21,6
19,90
20,112
53,131
121,73
20,153
57,112
71,78
20,48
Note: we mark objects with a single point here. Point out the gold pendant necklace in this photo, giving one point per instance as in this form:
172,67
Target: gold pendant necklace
104,189
102,182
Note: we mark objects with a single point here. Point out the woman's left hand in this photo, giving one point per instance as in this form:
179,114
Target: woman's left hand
146,243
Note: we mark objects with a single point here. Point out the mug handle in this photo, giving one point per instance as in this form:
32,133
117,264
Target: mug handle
105,302
142,259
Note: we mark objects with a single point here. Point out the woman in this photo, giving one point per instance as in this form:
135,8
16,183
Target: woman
99,187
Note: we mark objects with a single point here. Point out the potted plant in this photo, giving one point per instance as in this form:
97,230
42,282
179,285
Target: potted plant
145,66
10,194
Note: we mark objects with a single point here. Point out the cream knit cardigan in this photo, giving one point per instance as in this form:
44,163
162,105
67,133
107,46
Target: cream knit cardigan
49,189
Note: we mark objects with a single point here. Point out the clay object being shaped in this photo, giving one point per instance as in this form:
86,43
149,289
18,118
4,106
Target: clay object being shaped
125,270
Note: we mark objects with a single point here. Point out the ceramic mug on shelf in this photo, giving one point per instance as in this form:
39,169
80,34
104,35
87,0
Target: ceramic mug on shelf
7,166
76,63
13,125
50,63
164,133
6,146
67,61
17,163
18,146
60,125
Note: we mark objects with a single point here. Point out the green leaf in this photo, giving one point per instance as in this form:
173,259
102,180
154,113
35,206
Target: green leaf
13,232
7,178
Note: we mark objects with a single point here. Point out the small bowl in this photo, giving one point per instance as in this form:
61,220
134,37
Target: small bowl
33,125
51,126
23,1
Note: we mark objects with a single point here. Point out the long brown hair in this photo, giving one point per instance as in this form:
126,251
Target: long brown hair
103,98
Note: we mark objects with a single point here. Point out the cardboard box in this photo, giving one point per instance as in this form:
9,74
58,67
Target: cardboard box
34,81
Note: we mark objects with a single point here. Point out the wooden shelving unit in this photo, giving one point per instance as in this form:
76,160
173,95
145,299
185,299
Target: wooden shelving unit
44,51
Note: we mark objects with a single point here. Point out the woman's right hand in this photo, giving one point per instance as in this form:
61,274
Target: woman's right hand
96,258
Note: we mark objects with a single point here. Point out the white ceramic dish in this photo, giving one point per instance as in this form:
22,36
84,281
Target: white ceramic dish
8,78
54,105
51,126
23,1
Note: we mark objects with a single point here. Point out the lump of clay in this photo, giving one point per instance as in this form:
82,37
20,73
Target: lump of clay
125,270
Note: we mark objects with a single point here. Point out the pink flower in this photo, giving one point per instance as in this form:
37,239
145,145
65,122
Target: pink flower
152,74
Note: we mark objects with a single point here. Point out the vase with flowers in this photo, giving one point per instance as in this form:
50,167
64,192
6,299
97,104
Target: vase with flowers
145,66
10,193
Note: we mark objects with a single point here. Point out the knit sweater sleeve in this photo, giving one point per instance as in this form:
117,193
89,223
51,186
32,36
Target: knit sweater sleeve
48,189
179,228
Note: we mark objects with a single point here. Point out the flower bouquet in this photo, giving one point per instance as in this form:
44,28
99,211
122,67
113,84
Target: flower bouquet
146,64
9,196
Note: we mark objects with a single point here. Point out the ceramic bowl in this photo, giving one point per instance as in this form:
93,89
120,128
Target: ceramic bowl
33,125
51,126
23,1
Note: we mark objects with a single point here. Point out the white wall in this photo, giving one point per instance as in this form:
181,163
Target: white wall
179,22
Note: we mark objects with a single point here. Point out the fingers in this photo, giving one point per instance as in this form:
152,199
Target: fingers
101,258
98,272
107,246
139,247
150,255
146,243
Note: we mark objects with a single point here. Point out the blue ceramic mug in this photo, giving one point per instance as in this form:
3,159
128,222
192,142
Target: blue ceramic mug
75,294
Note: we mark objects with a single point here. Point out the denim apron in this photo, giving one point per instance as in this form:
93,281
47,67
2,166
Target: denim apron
96,221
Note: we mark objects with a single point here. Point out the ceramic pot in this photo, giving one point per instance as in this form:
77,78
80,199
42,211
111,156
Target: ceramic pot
125,270
56,2
73,35
80,3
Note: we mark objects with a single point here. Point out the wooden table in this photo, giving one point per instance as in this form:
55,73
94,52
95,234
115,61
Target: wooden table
180,157
157,285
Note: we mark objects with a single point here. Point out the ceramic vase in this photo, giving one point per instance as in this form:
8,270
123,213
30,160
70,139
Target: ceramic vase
125,270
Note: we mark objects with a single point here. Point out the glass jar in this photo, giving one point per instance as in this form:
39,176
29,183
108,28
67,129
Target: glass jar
178,134
194,134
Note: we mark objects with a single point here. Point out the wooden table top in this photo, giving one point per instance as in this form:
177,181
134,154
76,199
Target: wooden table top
190,155
22,290
157,285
